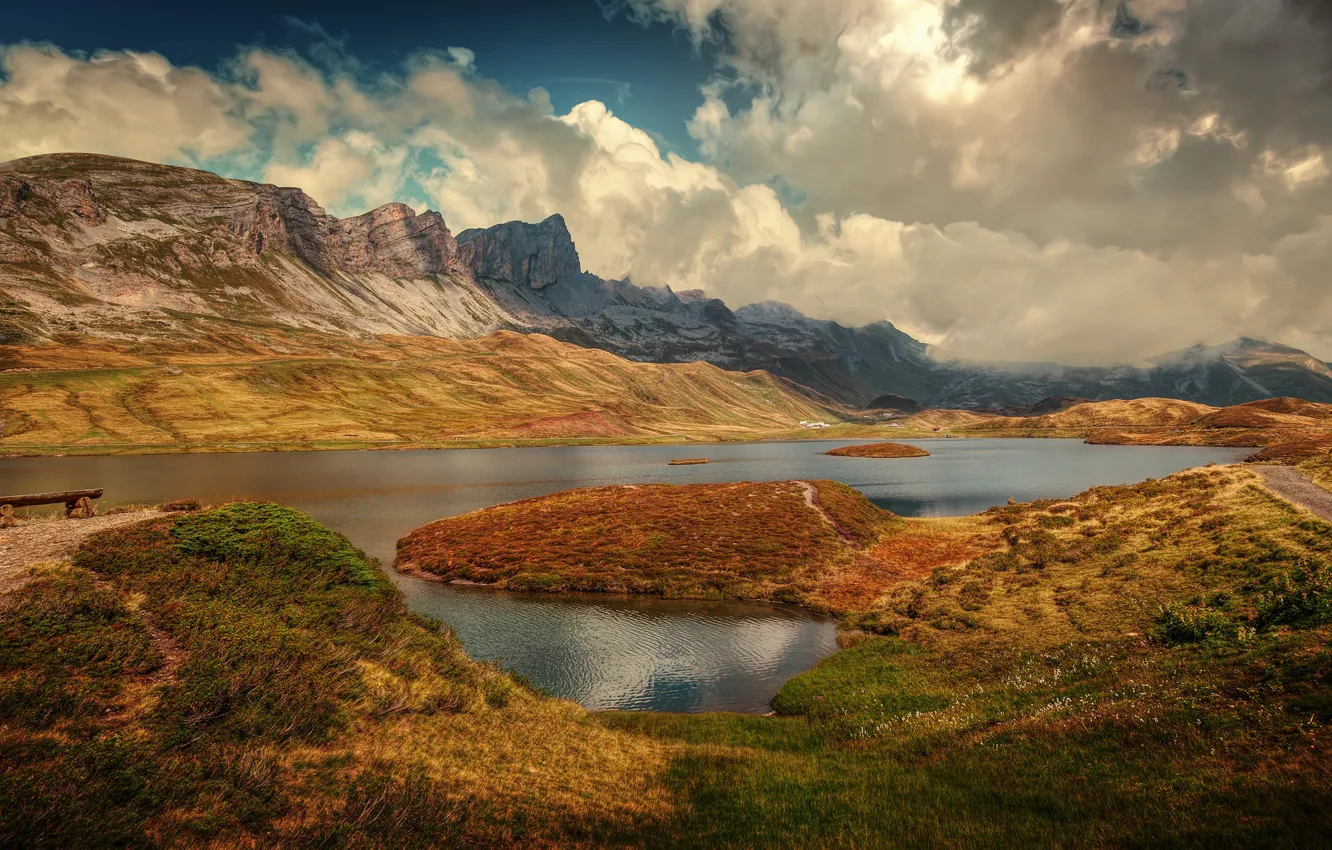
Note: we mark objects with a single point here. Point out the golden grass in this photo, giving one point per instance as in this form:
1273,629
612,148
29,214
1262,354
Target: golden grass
394,390
817,543
1026,653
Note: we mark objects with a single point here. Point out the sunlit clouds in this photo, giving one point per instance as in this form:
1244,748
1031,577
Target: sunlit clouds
1007,179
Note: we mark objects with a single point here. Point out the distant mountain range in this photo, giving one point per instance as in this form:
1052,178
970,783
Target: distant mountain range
113,248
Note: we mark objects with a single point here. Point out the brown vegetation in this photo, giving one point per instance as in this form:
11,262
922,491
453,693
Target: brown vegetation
242,677
818,543
880,450
1287,430
741,541
1042,674
689,461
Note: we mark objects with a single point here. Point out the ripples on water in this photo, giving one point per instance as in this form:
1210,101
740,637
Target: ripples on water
609,652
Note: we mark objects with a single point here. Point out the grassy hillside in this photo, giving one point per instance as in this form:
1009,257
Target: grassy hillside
1140,666
1137,665
244,677
1285,428
308,391
1100,414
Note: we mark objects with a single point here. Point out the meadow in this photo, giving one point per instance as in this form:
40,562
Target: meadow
293,390
1139,665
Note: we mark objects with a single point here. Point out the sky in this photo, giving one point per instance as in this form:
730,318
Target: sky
1081,181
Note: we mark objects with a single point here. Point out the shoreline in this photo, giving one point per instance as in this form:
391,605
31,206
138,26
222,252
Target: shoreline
841,616
18,452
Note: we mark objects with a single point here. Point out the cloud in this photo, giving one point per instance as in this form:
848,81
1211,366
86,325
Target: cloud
1145,136
1026,180
127,103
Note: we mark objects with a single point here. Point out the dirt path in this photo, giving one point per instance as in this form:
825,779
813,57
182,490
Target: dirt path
1294,486
812,499
35,541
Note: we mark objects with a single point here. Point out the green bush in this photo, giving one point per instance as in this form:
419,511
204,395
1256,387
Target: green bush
1176,624
1301,597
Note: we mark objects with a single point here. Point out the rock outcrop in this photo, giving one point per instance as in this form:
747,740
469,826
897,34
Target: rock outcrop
532,255
391,239
76,197
395,241
68,197
13,192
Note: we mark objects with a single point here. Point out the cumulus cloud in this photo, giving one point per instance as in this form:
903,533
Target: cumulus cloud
1009,179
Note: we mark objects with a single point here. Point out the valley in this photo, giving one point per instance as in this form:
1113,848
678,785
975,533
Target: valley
243,675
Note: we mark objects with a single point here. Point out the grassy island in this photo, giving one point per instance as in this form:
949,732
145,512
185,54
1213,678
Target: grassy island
883,450
771,541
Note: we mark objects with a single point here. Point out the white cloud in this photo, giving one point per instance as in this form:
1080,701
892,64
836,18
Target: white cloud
1013,180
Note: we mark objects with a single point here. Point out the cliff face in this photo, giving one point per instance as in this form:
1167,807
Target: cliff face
391,239
533,255
114,247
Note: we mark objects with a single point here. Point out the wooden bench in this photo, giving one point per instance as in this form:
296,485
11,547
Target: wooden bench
78,503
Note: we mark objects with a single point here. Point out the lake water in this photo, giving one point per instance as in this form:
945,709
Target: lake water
609,652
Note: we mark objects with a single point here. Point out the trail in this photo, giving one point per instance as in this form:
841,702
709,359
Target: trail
812,499
1298,488
43,539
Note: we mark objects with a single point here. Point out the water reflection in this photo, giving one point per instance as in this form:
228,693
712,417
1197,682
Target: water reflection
634,652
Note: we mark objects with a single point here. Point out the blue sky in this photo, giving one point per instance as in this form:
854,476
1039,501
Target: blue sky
649,76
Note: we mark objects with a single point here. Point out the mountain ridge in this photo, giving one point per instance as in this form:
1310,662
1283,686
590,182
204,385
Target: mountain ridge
120,249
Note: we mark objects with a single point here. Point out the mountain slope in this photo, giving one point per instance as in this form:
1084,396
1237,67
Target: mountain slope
114,248
95,246
502,388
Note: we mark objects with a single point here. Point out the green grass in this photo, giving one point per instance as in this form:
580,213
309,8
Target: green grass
156,691
1146,665
1157,672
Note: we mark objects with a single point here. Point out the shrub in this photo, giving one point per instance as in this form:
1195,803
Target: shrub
1056,521
1302,597
1176,624
973,595
185,505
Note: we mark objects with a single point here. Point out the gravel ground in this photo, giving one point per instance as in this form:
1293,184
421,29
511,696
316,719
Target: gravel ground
44,539
1294,486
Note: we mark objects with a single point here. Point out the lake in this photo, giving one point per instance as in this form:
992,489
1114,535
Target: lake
610,652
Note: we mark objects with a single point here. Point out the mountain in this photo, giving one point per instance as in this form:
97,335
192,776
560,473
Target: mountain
1240,371
96,246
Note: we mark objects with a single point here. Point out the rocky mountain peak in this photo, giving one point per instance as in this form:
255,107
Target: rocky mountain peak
394,240
532,255
391,239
